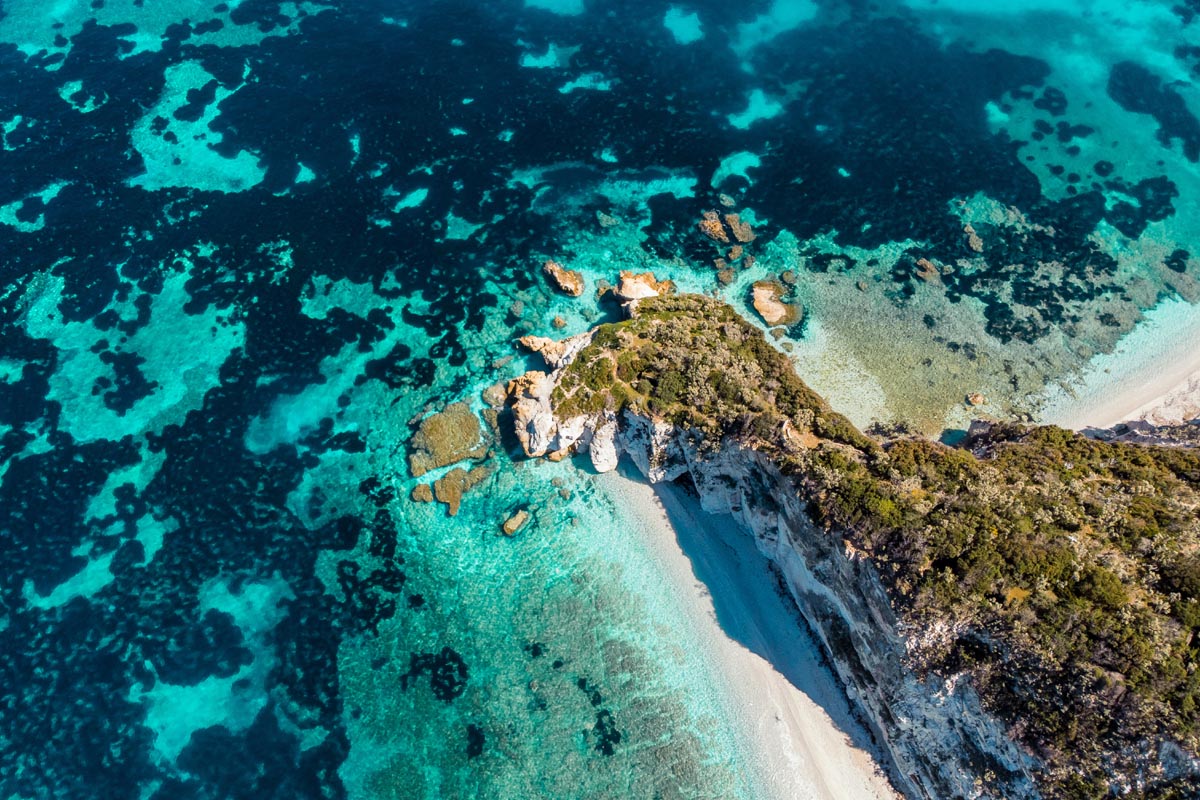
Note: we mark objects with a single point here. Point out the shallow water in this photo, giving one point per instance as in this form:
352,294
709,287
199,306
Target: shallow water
244,247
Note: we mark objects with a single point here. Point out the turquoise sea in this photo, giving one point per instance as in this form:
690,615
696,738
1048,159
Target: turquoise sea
247,247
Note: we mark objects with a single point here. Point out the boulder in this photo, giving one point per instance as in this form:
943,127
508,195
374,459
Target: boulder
568,281
767,297
515,522
634,287
495,395
741,230
421,493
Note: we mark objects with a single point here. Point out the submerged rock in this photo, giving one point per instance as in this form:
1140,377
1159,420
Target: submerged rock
741,230
767,299
928,271
451,487
422,493
710,226
566,280
449,436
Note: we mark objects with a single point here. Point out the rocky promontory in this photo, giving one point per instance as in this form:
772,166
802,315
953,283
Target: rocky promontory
1013,618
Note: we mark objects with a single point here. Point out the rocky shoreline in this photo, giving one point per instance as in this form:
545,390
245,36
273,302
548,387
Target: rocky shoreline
940,735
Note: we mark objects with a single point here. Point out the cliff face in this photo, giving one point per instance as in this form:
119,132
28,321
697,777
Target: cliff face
937,737
963,683
937,740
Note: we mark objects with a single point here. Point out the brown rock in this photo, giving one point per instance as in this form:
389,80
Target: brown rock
861,285
973,240
976,399
767,297
448,436
567,280
725,276
421,493
528,385
928,271
741,230
748,262
559,322
515,522
735,252
789,277
451,487
711,226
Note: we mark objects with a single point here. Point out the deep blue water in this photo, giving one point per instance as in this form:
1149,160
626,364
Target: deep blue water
245,247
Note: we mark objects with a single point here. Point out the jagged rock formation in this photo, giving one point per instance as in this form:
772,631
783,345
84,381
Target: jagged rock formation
568,281
1018,622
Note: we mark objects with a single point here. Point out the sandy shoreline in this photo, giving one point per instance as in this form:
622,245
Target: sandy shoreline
1153,374
796,724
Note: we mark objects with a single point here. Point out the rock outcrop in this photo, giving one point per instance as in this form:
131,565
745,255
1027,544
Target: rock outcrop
529,396
567,281
556,352
767,297
639,286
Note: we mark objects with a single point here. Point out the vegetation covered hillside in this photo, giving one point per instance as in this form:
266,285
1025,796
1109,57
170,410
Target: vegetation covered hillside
1061,574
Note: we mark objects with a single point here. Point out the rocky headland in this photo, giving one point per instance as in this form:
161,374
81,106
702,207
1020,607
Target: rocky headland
1016,617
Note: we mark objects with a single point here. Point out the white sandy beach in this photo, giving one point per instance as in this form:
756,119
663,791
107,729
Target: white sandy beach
1153,374
795,720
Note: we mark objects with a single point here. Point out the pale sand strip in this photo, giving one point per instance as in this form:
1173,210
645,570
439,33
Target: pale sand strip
1153,374
795,720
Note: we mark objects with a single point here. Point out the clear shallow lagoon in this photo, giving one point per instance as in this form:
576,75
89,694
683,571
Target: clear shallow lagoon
244,247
